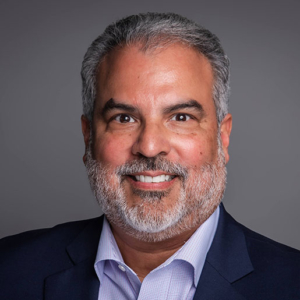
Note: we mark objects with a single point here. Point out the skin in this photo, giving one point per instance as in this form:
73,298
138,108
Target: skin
154,112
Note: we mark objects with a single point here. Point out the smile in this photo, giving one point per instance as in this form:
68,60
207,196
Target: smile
150,179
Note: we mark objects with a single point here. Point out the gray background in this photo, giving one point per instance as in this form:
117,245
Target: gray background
43,180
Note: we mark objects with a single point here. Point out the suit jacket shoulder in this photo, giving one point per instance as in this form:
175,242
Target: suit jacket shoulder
27,259
276,267
242,264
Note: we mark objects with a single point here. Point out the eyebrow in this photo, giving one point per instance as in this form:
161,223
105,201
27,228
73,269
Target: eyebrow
111,104
189,104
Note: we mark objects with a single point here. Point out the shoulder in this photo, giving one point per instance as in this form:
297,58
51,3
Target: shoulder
26,259
258,245
275,267
267,252
55,237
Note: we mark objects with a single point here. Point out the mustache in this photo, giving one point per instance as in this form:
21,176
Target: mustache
157,163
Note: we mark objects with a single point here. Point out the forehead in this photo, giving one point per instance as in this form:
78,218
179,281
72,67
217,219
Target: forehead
174,72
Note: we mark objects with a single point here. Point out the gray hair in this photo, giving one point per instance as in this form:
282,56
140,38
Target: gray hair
153,30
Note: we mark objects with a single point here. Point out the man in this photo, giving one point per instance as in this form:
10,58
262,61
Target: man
156,128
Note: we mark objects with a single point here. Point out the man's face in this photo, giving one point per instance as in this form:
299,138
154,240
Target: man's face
155,154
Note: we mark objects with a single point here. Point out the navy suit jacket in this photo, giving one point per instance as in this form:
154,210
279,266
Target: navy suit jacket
57,264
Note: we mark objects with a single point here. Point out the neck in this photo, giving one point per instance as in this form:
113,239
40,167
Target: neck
143,257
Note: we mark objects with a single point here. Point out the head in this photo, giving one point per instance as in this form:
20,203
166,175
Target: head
155,124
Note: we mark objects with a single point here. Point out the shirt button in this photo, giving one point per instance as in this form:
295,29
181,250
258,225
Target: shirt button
121,268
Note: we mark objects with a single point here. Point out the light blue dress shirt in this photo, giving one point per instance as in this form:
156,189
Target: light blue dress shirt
176,278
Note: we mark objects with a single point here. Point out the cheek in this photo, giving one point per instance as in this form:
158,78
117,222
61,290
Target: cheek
112,150
194,150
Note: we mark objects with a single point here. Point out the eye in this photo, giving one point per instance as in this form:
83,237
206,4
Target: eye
181,117
123,118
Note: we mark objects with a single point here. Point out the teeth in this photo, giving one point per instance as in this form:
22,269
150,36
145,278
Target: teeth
160,178
148,179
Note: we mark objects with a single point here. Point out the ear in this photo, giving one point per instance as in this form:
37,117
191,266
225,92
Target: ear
225,129
85,127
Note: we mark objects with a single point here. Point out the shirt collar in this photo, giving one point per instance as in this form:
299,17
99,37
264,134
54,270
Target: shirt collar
107,249
194,251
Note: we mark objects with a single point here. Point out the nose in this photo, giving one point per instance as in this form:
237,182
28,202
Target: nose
152,141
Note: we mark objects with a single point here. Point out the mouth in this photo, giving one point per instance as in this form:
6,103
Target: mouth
152,179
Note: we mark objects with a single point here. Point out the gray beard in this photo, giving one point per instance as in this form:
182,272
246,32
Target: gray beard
152,220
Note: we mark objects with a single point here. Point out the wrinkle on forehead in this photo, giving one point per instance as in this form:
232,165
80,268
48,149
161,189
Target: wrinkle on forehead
160,75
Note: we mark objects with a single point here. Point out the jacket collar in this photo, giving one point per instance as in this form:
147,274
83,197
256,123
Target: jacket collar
227,261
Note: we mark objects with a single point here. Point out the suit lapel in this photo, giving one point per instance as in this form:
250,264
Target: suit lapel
213,286
80,281
227,261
